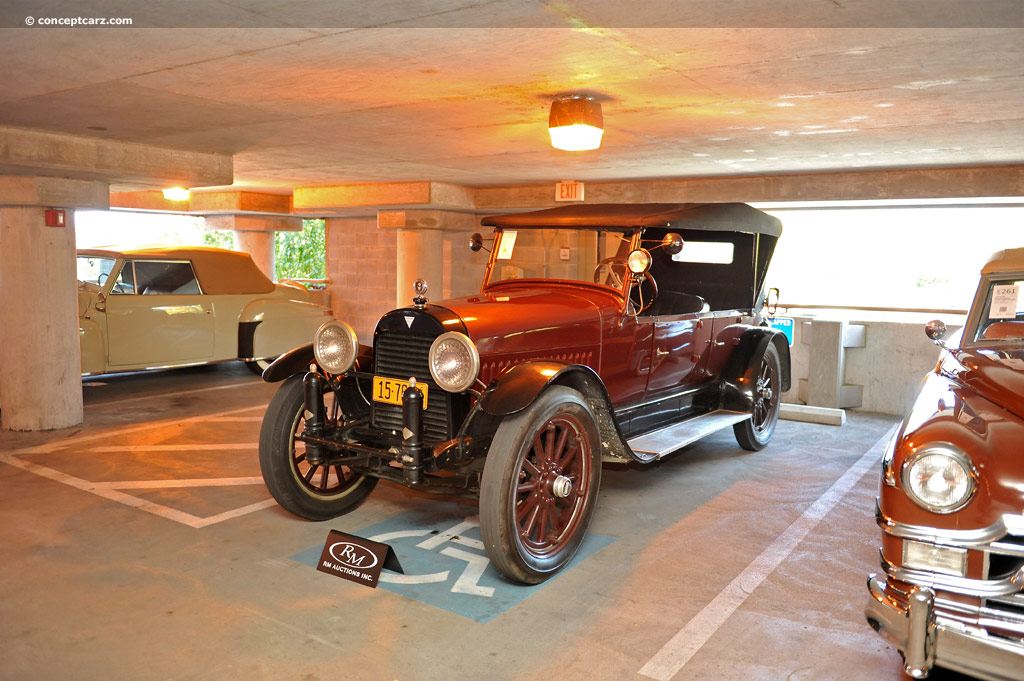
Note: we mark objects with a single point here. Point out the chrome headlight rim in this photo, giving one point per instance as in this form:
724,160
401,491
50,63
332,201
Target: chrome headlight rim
474,367
951,452
348,361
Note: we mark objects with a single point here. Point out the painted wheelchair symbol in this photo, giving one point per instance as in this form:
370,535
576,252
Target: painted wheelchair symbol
468,581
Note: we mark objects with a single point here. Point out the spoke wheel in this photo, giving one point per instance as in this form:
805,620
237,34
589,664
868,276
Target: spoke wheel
756,432
317,491
540,486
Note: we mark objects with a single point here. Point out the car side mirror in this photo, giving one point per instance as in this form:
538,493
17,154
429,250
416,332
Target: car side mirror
101,301
476,242
672,243
935,330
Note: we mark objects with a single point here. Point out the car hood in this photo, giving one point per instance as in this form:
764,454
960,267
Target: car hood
510,320
995,374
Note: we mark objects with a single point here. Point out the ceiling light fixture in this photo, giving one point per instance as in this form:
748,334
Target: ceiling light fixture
576,123
176,194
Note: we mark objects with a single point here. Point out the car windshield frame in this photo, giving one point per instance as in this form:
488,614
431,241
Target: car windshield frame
979,311
629,236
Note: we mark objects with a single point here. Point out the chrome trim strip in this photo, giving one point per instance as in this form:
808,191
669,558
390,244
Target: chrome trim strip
1008,524
982,588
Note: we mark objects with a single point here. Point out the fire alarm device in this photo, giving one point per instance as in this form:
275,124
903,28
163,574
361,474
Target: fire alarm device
54,217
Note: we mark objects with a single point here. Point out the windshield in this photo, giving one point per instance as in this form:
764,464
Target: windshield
1002,314
93,269
592,256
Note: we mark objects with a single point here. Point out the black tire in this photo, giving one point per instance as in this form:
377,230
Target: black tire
258,366
530,530
754,433
313,492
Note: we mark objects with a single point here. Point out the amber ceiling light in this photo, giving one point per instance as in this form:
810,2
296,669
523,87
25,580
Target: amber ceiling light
576,123
176,194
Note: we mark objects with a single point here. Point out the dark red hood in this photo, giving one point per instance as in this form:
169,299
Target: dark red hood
514,318
997,374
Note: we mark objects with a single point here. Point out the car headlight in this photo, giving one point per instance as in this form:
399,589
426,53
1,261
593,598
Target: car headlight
939,478
454,361
335,346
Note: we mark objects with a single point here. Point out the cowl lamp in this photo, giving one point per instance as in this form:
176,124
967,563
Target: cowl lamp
576,123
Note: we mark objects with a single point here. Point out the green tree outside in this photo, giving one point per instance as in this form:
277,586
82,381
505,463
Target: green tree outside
297,255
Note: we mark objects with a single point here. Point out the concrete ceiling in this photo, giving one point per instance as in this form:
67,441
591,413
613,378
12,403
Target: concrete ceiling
447,96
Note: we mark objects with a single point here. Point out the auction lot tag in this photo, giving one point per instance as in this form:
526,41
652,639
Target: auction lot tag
507,245
1004,302
356,559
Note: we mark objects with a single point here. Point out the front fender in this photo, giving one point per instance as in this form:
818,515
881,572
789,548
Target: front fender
517,387
742,365
297,361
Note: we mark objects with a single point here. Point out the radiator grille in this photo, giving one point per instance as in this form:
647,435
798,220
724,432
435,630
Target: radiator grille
401,355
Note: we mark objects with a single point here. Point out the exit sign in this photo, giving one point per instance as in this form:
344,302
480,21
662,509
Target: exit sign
568,191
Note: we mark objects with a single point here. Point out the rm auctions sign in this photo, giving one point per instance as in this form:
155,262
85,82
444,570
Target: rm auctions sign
356,559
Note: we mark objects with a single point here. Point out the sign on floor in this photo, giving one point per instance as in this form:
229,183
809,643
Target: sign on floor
445,563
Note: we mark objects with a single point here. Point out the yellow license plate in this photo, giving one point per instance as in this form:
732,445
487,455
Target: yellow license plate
390,390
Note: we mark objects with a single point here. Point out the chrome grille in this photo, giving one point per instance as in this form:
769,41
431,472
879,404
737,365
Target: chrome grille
401,355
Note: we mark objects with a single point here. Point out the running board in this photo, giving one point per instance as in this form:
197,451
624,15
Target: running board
658,443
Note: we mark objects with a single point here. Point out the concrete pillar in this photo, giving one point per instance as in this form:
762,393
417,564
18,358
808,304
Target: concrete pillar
420,256
260,245
825,385
40,359
254,234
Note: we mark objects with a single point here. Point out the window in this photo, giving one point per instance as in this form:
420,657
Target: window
125,282
165,278
920,257
1002,312
94,269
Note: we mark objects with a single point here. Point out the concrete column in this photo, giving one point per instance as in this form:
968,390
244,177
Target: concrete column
40,360
420,256
260,245
254,234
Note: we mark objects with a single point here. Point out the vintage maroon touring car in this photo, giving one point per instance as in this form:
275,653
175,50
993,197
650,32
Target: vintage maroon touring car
951,506
601,333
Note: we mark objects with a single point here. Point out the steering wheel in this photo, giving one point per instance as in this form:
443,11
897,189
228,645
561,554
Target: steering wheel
102,278
616,272
634,292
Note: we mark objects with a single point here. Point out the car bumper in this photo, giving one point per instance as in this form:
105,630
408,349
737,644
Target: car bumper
926,641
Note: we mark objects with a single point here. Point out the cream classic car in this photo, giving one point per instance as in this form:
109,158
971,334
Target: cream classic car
164,307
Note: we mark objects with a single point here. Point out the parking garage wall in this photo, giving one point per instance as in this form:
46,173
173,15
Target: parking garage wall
890,367
362,269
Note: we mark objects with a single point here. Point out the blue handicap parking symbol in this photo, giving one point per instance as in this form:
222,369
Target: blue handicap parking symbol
783,324
444,560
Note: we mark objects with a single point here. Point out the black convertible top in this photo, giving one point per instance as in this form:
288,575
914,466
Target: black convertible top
719,217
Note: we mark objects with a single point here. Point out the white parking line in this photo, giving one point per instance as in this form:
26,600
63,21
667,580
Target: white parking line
114,433
171,484
252,446
109,490
667,662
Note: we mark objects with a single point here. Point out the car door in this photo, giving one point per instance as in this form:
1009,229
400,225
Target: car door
678,353
157,316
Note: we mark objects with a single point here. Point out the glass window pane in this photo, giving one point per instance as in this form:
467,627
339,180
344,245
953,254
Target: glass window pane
165,278
125,282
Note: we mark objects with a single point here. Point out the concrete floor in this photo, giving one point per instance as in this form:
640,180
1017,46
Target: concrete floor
166,576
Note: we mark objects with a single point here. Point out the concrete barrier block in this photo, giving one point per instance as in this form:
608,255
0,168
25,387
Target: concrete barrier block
808,414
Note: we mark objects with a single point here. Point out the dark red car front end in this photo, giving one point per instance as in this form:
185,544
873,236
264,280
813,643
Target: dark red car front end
951,506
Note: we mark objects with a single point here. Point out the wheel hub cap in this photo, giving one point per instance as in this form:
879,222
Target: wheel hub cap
561,487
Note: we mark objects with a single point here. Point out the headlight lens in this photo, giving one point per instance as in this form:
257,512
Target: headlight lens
454,361
939,478
335,346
